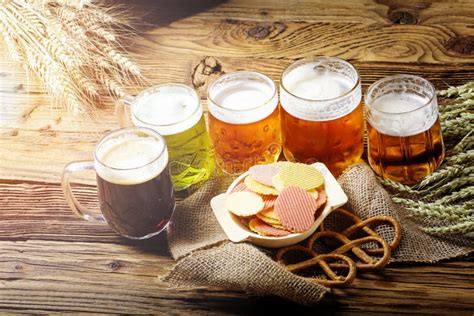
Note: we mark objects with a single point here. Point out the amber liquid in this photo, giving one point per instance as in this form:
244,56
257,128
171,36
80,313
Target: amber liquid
405,159
237,147
137,210
336,143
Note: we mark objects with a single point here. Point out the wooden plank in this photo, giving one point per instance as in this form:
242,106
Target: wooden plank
356,11
41,276
360,42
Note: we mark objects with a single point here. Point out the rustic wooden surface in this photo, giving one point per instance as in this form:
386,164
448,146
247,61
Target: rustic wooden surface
52,261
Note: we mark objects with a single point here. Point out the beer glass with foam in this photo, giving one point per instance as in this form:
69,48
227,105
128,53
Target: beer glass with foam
322,114
134,185
174,110
244,121
404,133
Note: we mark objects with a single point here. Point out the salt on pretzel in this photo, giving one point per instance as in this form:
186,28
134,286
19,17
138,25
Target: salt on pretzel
367,262
333,280
364,225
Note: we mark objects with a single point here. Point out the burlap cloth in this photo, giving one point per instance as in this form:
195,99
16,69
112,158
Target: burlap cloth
206,258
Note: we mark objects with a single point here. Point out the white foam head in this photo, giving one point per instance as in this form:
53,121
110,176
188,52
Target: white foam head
168,108
401,105
405,114
320,89
129,157
242,97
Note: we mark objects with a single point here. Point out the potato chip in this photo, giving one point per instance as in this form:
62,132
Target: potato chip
322,198
277,184
244,203
241,187
258,187
314,193
295,208
258,226
300,175
264,173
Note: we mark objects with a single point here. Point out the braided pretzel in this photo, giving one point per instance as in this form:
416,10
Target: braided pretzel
333,280
368,262
364,225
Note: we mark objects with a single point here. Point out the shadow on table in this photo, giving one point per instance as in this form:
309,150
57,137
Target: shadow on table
152,13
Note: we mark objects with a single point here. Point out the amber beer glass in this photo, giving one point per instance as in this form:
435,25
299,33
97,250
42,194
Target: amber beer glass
244,121
404,134
322,115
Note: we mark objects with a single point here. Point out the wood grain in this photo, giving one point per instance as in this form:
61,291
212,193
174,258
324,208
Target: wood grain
51,261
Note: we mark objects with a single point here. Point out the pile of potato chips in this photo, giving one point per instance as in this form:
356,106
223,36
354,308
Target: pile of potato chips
278,199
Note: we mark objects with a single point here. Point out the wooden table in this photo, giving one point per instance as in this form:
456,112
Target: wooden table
52,261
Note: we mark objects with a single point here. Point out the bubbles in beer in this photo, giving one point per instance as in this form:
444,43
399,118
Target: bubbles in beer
308,83
230,100
131,159
168,109
399,122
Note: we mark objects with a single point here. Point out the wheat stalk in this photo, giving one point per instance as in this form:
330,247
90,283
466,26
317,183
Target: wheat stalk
74,46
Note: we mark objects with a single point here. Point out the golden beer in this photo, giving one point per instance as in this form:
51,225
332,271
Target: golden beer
322,113
404,134
244,121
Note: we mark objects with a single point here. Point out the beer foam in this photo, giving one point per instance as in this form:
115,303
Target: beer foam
168,109
306,83
131,159
316,91
407,114
229,99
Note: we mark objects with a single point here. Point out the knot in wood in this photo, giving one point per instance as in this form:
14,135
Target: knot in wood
207,66
266,29
115,265
462,45
403,16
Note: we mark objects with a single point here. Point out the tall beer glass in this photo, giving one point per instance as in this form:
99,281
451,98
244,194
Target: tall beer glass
174,110
404,134
244,121
322,115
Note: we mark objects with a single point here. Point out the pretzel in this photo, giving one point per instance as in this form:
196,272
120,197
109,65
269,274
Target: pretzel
364,225
368,262
333,280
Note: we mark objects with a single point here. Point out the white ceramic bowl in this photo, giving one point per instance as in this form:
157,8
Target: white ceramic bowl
238,232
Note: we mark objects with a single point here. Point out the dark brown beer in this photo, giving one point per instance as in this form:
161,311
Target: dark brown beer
137,210
135,189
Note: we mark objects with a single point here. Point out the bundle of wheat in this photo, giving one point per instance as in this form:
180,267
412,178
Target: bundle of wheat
73,46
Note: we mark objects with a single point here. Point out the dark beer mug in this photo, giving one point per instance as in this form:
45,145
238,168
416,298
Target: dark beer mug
134,184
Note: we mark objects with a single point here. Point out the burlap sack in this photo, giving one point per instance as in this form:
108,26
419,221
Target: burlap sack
206,258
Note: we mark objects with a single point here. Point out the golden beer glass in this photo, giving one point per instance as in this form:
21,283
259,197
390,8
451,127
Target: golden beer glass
404,133
244,121
174,110
322,114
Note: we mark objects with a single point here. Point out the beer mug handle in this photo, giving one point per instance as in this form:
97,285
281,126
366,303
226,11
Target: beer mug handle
74,204
122,110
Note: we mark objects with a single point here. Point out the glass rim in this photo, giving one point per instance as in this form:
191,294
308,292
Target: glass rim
305,60
175,84
242,72
125,130
367,97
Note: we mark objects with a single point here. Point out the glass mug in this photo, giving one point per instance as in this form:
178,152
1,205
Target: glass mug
174,110
134,185
322,114
244,121
404,133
